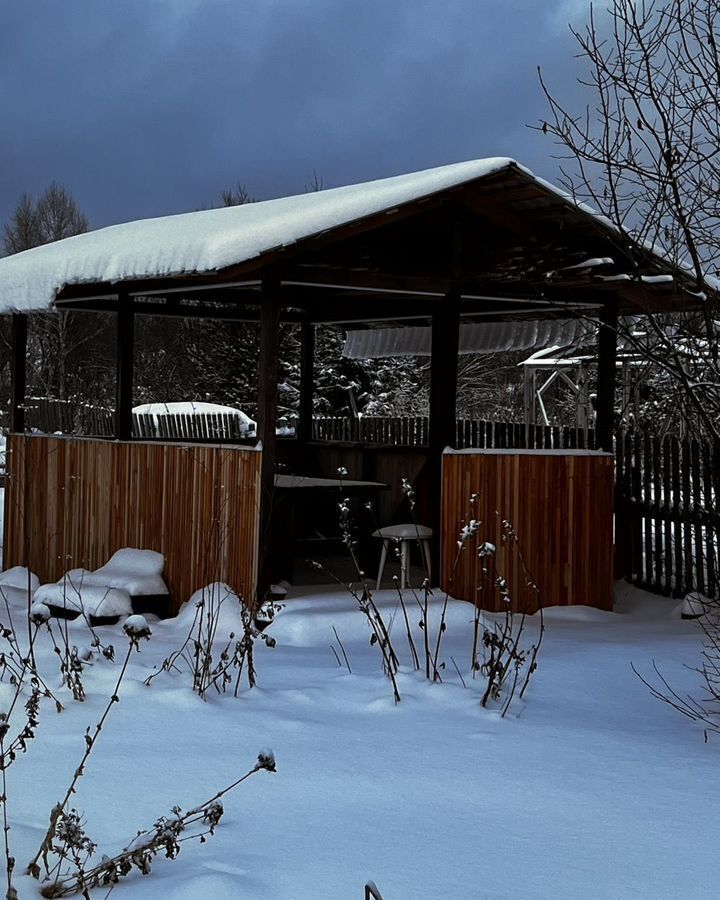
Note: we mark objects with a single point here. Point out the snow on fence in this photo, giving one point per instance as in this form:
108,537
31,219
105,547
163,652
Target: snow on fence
51,416
72,502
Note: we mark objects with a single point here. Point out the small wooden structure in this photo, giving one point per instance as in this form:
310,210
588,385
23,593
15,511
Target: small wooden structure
559,505
481,242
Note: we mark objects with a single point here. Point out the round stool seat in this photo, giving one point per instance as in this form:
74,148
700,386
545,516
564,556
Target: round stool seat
410,532
404,535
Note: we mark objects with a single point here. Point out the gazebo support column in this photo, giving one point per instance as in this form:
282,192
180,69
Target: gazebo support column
19,372
607,359
267,419
307,364
443,408
125,365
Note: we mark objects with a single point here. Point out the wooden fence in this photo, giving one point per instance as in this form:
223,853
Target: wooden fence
667,520
72,502
406,431
50,415
667,517
560,505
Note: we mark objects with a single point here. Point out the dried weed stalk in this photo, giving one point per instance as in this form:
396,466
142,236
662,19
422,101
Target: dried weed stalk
214,668
136,629
706,709
76,874
509,663
363,596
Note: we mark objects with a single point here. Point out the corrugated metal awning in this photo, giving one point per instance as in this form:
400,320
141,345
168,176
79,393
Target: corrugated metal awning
491,337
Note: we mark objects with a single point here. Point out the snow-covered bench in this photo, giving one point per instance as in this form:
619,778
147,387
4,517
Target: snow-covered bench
130,582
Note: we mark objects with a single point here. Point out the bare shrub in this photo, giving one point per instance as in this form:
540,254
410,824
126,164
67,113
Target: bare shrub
705,709
74,872
212,664
136,628
363,595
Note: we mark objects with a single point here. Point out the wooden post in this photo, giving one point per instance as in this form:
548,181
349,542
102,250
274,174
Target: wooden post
267,419
125,364
607,358
307,384
19,372
530,386
443,408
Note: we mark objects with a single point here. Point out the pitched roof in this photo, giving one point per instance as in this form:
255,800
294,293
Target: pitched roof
215,239
488,228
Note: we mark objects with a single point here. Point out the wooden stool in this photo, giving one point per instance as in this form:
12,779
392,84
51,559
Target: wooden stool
403,535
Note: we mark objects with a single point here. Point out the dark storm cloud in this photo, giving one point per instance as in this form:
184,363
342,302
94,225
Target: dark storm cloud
147,107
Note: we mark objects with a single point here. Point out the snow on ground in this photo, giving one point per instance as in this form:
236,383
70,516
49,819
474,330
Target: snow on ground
591,789
78,597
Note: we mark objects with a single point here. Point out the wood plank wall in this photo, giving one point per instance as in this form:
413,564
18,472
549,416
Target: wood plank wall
72,502
561,508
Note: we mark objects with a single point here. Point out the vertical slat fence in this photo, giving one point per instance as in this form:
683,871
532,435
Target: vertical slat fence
667,523
86,498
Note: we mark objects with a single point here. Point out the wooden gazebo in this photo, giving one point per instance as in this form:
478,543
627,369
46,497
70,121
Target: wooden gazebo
481,241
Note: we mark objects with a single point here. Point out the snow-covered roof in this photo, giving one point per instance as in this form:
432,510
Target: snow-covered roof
487,337
213,239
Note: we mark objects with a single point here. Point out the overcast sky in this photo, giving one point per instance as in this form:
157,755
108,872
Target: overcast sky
150,107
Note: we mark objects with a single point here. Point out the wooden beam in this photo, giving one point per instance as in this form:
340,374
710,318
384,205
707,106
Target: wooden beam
125,363
267,419
443,373
307,382
18,374
443,405
607,359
